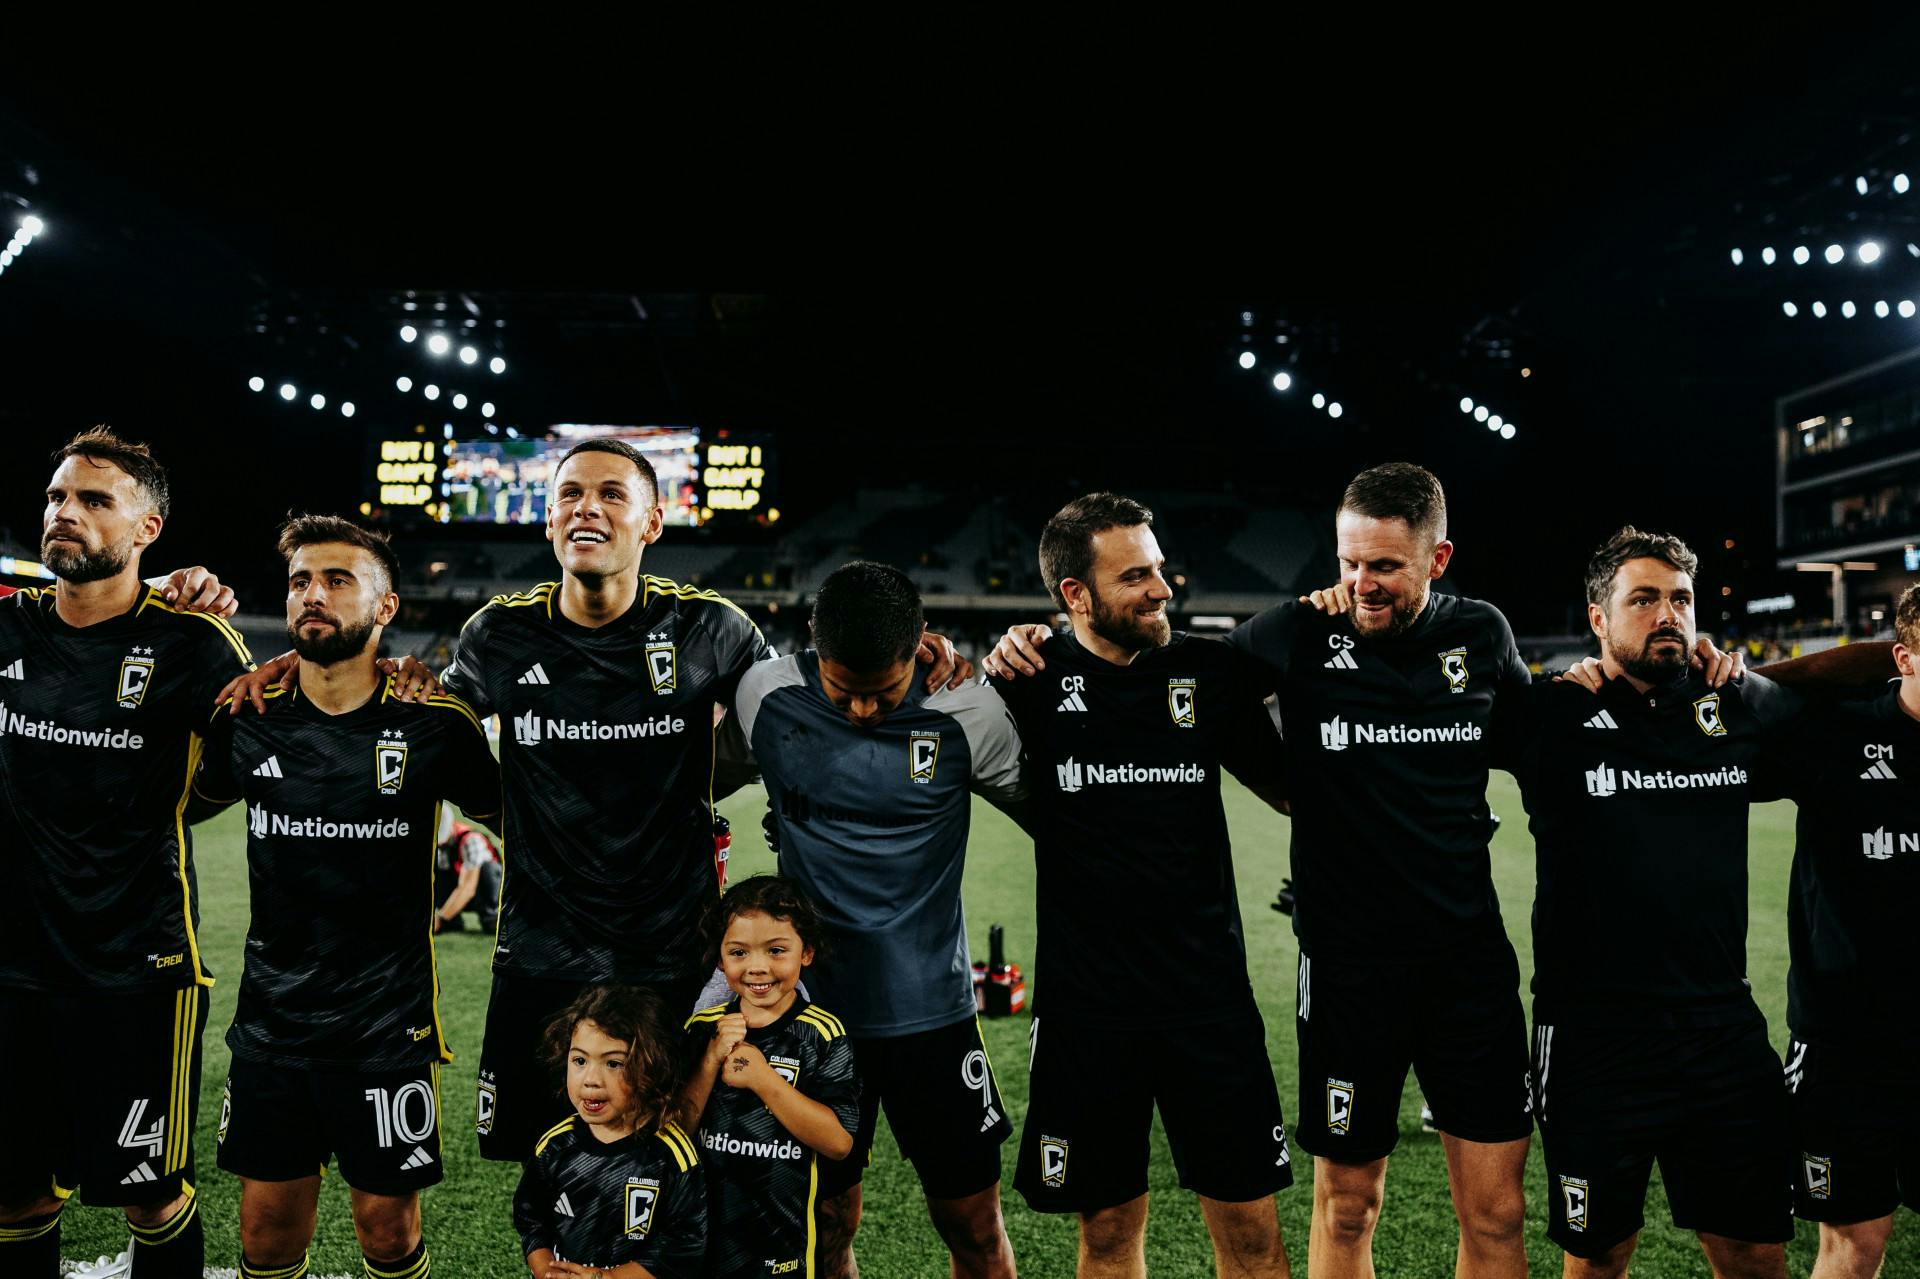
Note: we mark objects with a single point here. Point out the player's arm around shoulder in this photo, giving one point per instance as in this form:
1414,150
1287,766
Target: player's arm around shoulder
471,775
216,786
993,743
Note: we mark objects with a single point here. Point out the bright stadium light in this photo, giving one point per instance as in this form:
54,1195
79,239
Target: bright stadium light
1767,255
486,410
1906,308
1790,309
1466,404
1800,255
346,408
408,333
431,391
404,383
459,399
1847,309
1869,252
497,365
1738,257
1281,381
1480,414
1319,400
318,400
288,391
1900,184
6,257
256,384
438,344
32,226
1494,423
1507,431
1819,310
468,355
446,430
1860,185
1334,409
1834,254
1246,359
1881,309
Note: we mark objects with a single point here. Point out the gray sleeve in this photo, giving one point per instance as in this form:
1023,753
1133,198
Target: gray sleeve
993,741
761,679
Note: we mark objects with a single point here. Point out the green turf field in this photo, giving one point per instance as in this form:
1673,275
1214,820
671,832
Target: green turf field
468,1217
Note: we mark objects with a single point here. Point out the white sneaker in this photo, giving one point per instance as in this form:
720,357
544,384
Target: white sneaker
105,1267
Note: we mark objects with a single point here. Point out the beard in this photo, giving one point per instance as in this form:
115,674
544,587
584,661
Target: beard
71,565
1405,613
336,645
1657,666
1128,630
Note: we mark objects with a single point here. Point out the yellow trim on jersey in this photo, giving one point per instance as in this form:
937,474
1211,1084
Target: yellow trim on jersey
651,586
551,1133
186,1041
714,1013
295,1271
433,952
447,701
170,1229
541,594
826,1023
677,1141
418,1270
196,746
232,636
813,1198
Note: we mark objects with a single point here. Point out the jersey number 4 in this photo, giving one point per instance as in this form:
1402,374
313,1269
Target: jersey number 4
134,1139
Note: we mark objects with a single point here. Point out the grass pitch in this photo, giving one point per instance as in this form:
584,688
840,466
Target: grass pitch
469,1218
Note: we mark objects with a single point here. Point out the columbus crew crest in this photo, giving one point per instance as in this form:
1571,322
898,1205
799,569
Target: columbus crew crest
1706,713
662,666
1180,697
1573,1198
788,1068
226,1114
1453,664
485,1101
643,1195
389,763
136,673
1339,1105
1053,1161
923,752
1819,1173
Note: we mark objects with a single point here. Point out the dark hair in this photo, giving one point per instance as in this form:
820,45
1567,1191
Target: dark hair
867,617
101,445
1906,618
1630,543
774,896
1401,491
637,1017
619,448
1066,544
314,530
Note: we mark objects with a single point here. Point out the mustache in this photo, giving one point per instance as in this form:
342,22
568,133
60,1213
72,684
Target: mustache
304,618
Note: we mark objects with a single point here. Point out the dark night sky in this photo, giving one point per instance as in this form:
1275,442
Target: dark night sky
1014,290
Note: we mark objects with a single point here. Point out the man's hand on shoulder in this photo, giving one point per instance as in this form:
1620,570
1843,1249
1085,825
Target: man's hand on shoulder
1018,652
412,680
1589,673
282,672
1716,666
196,590
948,668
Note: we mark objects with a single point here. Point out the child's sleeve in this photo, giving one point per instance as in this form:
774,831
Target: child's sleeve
680,1252
835,1083
530,1210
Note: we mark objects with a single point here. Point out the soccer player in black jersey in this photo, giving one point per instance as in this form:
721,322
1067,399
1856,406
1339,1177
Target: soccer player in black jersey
104,687
1139,928
337,1044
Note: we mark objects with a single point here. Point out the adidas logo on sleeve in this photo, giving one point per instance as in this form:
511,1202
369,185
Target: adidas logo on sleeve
1603,720
1880,772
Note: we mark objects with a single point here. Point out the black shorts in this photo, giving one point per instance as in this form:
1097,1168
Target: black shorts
943,1103
1457,1023
519,1096
281,1123
1090,1112
1706,1102
1856,1119
120,1128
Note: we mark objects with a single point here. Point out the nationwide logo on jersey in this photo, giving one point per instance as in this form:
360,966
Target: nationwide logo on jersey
136,672
1073,686
1573,1196
530,728
788,1068
389,763
1053,1161
1819,1173
1604,719
1339,1105
662,667
1073,776
923,752
1070,776
1180,697
257,820
1337,735
47,731
1877,844
1603,780
1453,664
484,1102
643,1195
15,669
1706,713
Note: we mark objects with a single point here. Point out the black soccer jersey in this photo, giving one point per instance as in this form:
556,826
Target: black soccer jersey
606,753
343,814
1855,772
1137,914
1639,818
762,1185
99,738
642,1198
1387,759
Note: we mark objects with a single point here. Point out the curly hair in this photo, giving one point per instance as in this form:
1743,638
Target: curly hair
774,896
655,1067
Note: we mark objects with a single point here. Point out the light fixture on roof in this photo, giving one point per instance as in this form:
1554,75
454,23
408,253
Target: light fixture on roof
1507,432
1466,404
1881,309
1767,255
459,399
1738,257
1848,309
256,384
317,400
1801,255
1860,185
404,383
288,391
408,333
1900,184
468,355
431,391
1319,400
1334,409
486,410
346,408
1834,254
1790,309
1480,413
438,344
1494,422
497,365
1869,252
1819,310
32,226
1247,360
1281,381
1906,308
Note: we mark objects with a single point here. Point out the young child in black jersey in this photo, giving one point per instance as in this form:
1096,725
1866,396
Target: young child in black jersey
617,1189
773,1083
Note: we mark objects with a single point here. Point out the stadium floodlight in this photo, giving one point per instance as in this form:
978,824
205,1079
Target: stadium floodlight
32,226
1800,255
438,344
1906,308
459,399
256,384
512,434
1738,257
1281,381
1869,252
486,410
1507,432
1495,422
1790,309
497,365
1860,185
1834,254
1900,184
1767,255
1819,310
1319,400
431,391
346,408
446,430
1848,309
1466,404
6,257
318,400
1881,309
288,391
1334,409
1480,413
468,355
1246,359
1246,319
408,333
404,383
